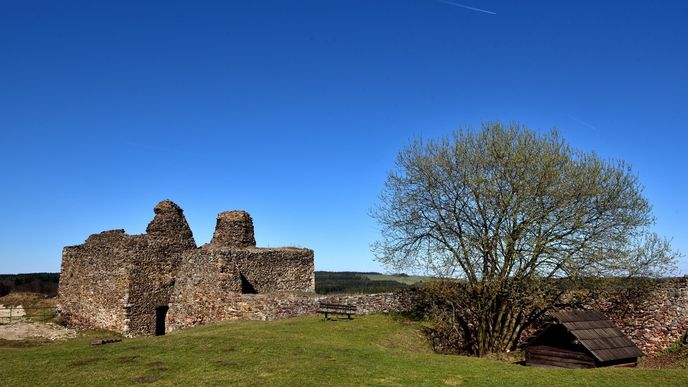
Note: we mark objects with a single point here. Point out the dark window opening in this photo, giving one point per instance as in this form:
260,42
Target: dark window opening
247,287
160,314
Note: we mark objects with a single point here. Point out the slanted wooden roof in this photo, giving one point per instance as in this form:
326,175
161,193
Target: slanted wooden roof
598,335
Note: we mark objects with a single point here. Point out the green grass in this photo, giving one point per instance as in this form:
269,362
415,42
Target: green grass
369,350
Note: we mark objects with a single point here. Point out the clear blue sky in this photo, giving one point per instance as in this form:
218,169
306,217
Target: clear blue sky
294,111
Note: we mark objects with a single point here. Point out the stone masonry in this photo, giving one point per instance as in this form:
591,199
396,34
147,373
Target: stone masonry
141,284
234,229
656,319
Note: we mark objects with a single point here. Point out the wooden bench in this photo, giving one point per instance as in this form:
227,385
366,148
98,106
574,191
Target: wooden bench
335,309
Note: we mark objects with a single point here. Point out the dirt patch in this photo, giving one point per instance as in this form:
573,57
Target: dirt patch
22,330
126,359
157,366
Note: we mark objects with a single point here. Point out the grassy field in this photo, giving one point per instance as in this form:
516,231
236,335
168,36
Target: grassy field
328,282
404,279
369,350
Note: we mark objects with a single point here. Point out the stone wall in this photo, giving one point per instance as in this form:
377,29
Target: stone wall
94,282
155,267
654,318
212,279
282,305
271,270
207,281
117,281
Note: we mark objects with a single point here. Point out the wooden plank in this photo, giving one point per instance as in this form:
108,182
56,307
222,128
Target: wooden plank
565,316
628,352
549,351
589,324
585,334
599,343
534,357
558,362
622,342
338,306
612,332
611,354
605,355
599,332
584,359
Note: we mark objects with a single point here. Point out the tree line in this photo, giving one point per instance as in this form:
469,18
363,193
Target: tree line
43,283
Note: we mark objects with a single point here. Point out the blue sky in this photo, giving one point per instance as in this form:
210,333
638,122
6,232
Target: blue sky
295,110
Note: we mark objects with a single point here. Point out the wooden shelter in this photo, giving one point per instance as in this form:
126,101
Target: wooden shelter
581,339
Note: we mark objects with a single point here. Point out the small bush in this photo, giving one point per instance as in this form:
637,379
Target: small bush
443,304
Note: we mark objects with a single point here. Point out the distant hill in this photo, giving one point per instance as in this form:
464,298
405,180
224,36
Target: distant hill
43,283
328,282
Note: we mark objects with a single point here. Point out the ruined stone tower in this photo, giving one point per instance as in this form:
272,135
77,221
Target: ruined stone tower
234,229
143,284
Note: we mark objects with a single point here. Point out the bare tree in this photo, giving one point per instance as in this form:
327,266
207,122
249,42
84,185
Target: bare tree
514,215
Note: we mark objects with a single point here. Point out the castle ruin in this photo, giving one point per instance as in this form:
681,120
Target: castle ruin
145,284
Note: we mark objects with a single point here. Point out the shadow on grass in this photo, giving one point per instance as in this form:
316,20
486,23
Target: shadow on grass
146,379
86,362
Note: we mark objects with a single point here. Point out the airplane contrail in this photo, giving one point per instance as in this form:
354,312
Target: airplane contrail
578,120
467,7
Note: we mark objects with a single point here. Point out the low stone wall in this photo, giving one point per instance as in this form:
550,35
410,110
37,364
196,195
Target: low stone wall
277,306
371,303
